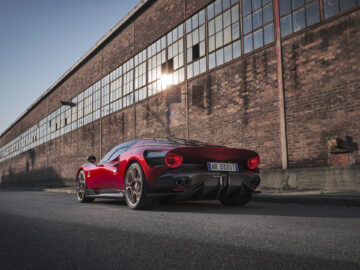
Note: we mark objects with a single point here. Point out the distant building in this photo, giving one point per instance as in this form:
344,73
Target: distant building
281,77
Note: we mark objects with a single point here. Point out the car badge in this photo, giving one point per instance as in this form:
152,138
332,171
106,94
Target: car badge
88,174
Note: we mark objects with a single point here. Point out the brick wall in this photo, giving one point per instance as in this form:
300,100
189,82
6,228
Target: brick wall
321,75
235,105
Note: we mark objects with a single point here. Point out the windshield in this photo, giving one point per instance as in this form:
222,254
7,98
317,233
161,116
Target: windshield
180,141
123,146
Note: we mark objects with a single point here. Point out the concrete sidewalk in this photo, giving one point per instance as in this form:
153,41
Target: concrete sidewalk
309,197
274,196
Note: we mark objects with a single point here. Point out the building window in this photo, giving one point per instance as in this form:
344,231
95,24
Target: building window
174,68
195,44
105,95
157,56
115,86
297,14
258,26
332,7
128,69
74,114
224,32
96,101
88,95
80,109
140,76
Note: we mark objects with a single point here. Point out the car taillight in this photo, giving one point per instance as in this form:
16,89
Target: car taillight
252,163
173,160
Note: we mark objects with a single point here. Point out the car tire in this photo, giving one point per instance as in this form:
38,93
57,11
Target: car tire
136,189
81,188
236,200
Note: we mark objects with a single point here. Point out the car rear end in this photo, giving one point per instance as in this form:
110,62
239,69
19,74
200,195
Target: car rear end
204,172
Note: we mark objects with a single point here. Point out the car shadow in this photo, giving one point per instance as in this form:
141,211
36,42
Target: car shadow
252,208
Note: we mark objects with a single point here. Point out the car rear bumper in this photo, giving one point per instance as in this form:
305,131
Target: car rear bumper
204,185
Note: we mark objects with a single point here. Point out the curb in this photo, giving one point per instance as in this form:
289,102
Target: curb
308,199
44,189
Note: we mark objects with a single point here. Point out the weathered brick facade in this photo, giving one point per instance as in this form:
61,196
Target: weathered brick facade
236,104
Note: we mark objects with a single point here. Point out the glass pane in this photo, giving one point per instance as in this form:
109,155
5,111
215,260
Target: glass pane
211,27
346,4
297,3
202,48
189,55
256,4
180,31
212,63
246,7
211,43
218,23
285,26
170,40
195,21
219,39
196,68
226,4
203,65
247,24
202,32
235,14
218,7
266,1
227,35
285,6
210,11
195,36
181,45
189,71
202,17
331,7
258,39
299,20
228,53
312,13
235,31
181,60
269,33
257,19
189,41
227,19
248,43
236,49
219,57
268,13
188,26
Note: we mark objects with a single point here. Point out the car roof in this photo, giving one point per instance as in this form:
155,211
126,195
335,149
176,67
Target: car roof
170,141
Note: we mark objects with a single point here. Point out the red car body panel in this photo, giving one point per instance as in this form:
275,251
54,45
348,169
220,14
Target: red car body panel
111,174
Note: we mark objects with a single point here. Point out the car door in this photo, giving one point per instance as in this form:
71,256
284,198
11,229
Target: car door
100,176
112,168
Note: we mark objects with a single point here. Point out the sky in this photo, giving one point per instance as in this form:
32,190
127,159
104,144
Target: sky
41,39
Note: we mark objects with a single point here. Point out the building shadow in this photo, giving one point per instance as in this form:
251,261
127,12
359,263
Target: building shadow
35,178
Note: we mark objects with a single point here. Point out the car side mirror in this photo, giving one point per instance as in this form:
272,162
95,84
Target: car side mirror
91,159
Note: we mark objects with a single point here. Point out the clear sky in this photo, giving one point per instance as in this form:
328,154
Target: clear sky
41,39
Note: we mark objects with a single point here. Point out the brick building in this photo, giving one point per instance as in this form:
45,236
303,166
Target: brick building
280,77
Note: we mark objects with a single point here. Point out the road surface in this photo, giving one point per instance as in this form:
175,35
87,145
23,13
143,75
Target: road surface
44,230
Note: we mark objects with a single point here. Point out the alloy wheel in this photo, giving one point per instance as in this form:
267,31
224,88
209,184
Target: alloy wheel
80,186
133,185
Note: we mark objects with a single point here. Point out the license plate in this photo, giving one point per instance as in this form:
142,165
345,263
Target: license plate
223,167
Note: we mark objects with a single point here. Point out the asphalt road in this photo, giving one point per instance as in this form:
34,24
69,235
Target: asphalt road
43,230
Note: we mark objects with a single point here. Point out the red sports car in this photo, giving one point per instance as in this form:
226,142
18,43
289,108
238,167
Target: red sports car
145,171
